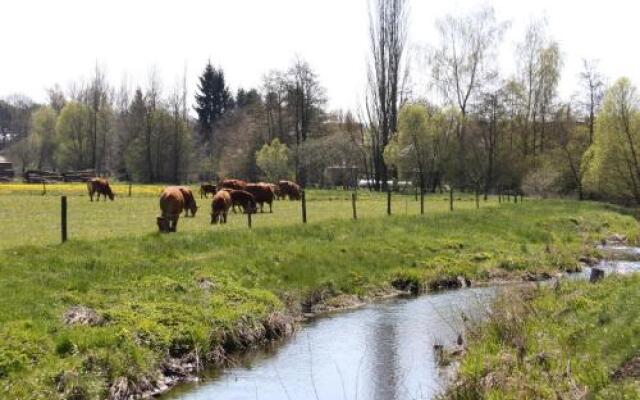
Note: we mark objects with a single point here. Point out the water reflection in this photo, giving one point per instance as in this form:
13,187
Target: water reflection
383,351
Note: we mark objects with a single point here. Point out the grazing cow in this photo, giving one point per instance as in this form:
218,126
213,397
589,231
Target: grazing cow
189,201
235,184
171,206
290,189
100,186
243,199
220,207
263,193
275,189
207,188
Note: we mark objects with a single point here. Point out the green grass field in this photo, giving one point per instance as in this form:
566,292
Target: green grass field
30,218
576,341
207,289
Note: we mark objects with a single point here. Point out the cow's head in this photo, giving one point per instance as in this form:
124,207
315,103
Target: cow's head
214,218
252,207
194,209
163,224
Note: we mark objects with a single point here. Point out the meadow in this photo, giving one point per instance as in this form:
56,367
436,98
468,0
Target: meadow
31,218
208,291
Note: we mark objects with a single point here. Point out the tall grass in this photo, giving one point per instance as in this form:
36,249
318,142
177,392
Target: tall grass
565,342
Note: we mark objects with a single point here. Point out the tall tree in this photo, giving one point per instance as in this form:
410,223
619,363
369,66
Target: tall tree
593,85
463,64
305,99
615,166
539,64
98,98
43,136
387,40
212,101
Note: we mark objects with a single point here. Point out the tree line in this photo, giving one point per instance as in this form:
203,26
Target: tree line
470,125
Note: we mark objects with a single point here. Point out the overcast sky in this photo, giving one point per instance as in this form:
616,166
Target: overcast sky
46,42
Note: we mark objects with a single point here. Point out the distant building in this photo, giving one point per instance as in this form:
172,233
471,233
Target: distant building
345,176
6,170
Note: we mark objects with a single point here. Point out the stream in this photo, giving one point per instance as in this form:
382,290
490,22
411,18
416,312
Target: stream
383,351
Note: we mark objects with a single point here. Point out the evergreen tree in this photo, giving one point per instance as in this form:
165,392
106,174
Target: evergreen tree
212,101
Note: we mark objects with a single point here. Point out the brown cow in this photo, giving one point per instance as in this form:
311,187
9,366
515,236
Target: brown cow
189,201
243,199
263,193
235,184
207,188
290,189
220,207
100,186
276,190
171,206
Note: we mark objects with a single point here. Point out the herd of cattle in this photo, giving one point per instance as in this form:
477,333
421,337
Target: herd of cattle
227,195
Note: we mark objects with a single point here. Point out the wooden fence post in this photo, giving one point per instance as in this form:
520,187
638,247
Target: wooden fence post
63,218
353,205
477,198
129,188
44,188
304,207
388,201
451,198
421,202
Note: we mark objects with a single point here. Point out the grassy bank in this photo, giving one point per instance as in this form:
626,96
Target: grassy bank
201,295
574,341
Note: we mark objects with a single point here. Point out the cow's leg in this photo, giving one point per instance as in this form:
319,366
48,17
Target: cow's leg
175,225
271,207
224,217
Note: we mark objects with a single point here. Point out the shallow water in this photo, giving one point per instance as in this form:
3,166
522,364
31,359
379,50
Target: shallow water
382,351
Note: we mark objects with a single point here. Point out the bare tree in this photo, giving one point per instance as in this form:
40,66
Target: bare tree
388,21
98,97
463,63
305,98
593,85
540,64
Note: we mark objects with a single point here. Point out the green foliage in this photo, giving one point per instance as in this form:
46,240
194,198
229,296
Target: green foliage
551,343
72,130
274,161
419,144
614,156
42,138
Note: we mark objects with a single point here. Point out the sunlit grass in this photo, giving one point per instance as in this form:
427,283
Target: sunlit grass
30,218
148,285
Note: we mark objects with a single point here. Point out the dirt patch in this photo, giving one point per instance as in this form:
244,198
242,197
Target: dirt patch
628,370
333,304
80,315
